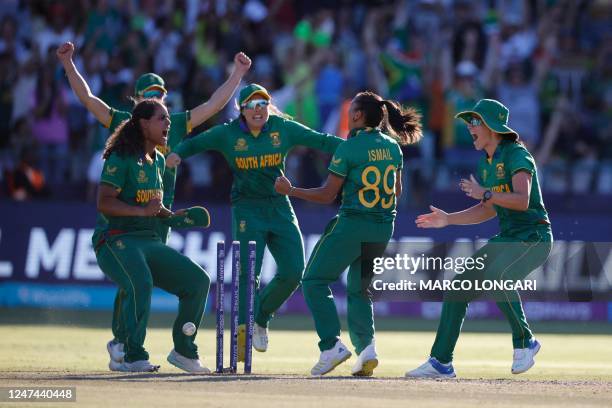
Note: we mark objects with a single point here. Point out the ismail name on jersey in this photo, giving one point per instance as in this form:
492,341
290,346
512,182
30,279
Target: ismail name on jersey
379,154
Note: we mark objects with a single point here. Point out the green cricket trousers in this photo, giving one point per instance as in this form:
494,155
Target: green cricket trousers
138,261
338,248
506,258
270,222
118,326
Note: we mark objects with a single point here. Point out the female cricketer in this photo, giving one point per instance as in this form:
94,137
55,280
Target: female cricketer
367,167
148,85
130,251
511,191
255,146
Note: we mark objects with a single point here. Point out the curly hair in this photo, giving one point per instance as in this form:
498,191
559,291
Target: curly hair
128,139
401,123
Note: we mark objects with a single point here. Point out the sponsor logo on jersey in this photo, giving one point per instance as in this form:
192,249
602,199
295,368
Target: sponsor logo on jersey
500,172
242,226
241,145
110,170
142,177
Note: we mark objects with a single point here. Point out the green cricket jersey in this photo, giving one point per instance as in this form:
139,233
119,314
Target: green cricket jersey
257,160
369,162
180,126
137,182
496,174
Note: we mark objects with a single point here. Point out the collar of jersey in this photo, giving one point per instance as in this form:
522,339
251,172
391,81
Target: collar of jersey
366,129
498,149
245,128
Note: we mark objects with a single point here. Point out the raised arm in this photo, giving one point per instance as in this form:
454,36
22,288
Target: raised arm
212,139
304,136
222,95
322,195
93,104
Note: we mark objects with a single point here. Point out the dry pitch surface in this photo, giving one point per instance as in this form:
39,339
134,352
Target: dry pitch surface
571,370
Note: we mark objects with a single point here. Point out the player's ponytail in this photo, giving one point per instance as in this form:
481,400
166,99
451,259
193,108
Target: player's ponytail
403,124
128,139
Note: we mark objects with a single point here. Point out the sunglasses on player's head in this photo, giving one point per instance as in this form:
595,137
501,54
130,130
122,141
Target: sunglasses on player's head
153,93
252,104
474,122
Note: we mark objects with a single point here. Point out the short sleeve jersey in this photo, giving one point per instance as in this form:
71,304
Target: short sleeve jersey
137,181
496,174
369,162
180,126
257,160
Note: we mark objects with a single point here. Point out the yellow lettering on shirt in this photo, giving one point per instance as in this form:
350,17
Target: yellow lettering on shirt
502,188
379,154
144,196
259,162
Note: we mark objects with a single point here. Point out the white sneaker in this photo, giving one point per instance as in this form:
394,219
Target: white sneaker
331,359
260,338
432,368
523,359
191,365
140,366
366,362
115,351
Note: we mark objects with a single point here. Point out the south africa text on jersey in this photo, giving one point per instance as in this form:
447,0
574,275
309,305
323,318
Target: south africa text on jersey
144,196
258,162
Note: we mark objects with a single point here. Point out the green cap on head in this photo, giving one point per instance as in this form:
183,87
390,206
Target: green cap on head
250,90
494,115
149,81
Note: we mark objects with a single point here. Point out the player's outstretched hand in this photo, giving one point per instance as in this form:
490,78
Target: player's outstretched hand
472,188
173,160
435,219
282,185
64,52
152,208
242,63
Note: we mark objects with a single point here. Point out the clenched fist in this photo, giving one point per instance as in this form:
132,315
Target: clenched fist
242,63
64,52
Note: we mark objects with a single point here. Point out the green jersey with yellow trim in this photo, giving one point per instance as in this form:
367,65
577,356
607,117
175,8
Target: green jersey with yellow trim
496,175
257,160
138,182
369,162
180,126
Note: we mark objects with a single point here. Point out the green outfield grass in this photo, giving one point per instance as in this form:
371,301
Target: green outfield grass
571,370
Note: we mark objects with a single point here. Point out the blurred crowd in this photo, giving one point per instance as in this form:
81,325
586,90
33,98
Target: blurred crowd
548,61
